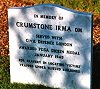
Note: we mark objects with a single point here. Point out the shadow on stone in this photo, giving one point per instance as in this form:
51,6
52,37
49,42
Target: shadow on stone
96,67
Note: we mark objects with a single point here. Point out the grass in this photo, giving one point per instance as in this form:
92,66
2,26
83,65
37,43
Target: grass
5,78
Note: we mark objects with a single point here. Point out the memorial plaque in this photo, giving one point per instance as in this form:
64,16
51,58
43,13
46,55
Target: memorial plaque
50,45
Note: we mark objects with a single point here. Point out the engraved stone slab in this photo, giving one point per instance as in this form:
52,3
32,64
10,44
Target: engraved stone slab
50,45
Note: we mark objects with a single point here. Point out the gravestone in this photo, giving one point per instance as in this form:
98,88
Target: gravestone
50,45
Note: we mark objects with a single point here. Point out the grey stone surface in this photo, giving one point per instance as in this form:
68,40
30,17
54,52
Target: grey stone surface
50,45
